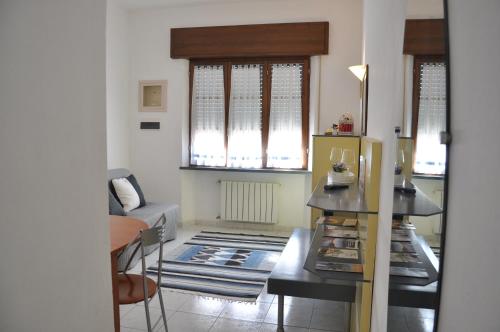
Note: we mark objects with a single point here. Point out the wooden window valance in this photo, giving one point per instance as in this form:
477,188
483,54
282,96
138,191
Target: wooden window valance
260,40
424,37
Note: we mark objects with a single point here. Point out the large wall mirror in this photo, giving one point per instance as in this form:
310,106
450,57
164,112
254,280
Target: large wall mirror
418,229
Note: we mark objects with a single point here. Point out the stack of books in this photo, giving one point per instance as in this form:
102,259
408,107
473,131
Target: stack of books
403,253
401,235
408,272
401,224
402,247
340,247
402,257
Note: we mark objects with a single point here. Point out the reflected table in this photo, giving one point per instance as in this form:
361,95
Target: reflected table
290,278
417,204
413,292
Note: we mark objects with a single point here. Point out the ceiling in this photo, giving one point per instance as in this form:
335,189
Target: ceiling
416,8
137,4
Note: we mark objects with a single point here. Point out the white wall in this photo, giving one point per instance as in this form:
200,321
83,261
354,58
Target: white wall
54,237
156,155
419,9
117,99
433,189
383,29
471,292
205,206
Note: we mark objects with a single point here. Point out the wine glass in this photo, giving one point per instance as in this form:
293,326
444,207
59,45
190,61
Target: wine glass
348,159
400,162
335,155
399,165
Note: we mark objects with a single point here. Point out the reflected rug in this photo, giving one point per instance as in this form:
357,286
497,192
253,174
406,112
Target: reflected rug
222,265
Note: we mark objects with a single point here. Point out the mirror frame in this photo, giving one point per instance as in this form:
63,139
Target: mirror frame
447,167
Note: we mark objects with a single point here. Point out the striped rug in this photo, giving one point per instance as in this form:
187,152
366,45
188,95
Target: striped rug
224,265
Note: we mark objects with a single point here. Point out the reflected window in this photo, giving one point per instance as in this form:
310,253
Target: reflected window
429,115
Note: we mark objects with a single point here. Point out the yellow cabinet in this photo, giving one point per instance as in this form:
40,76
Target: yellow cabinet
360,201
322,146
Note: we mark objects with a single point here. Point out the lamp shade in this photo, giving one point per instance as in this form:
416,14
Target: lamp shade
359,71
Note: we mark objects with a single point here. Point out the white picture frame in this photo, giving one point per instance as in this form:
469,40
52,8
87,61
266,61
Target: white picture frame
153,96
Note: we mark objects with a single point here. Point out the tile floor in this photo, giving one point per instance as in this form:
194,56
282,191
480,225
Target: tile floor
402,319
191,313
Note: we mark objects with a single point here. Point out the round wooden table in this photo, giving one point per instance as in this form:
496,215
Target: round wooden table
122,231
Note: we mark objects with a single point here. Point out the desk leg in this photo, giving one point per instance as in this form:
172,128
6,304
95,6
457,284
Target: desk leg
347,317
281,307
114,278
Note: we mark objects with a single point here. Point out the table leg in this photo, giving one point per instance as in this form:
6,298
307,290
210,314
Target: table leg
347,317
281,307
114,281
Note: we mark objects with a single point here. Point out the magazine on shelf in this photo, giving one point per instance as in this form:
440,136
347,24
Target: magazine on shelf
398,257
350,222
400,238
401,232
328,242
338,267
342,232
337,253
399,224
335,221
408,226
330,220
402,247
408,272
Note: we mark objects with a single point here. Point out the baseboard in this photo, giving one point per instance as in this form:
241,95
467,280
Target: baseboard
241,225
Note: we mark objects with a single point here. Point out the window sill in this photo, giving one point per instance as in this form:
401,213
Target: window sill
427,176
324,135
245,170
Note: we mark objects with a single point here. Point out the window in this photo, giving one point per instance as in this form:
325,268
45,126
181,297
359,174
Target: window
244,147
207,116
429,115
250,113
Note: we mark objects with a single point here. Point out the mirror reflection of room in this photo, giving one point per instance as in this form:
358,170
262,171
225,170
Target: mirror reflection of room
419,169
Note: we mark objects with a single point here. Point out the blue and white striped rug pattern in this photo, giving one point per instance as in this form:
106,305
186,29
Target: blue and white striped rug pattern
222,265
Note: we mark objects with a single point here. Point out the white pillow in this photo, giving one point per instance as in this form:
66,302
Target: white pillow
126,194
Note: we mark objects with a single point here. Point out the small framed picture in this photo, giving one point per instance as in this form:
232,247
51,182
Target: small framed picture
152,96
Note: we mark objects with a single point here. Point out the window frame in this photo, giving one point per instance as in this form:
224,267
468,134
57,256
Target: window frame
267,63
418,60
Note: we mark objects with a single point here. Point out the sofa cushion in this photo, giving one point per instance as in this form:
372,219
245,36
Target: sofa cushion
115,207
126,194
150,215
116,173
133,181
151,212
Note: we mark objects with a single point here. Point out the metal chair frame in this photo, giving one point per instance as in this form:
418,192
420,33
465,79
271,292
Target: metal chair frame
146,238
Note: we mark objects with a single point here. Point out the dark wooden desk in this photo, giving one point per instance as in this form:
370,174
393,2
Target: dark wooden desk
289,278
122,230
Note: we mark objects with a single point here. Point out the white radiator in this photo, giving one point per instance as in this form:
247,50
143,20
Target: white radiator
249,201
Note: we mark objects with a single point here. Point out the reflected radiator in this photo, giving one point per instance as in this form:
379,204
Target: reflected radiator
254,202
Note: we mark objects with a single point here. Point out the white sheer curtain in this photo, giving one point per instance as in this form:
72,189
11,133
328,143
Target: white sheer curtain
245,117
284,148
430,155
207,116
